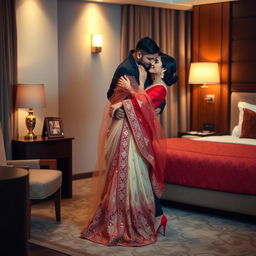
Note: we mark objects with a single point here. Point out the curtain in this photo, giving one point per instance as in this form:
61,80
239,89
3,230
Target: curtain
8,69
171,29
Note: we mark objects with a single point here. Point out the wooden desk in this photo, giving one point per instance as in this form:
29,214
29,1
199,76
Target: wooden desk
58,148
14,200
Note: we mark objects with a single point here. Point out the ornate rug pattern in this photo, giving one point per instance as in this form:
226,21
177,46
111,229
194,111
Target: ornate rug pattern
188,233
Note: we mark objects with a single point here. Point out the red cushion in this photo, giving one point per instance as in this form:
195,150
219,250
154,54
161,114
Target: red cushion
249,124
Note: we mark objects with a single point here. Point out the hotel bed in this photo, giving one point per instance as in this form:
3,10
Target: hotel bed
217,171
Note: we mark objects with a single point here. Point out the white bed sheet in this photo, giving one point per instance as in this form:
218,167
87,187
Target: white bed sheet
227,139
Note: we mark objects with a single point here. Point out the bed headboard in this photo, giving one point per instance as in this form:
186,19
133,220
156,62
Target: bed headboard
249,97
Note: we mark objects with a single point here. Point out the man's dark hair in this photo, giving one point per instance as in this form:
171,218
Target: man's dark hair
147,45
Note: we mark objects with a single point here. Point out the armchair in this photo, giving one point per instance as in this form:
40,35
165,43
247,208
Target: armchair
43,183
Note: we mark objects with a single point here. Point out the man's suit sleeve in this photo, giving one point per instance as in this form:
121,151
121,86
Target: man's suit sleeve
118,73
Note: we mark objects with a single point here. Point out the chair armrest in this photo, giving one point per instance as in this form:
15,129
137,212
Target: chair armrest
14,166
35,163
31,163
18,166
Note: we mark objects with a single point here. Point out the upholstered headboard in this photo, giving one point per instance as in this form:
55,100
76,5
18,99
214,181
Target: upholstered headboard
249,97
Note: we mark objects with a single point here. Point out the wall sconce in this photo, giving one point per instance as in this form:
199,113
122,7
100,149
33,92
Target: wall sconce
204,73
30,96
97,43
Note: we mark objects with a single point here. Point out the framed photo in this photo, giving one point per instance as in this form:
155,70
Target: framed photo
53,127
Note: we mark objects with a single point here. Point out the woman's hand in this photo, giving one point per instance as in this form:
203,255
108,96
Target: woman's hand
142,76
125,83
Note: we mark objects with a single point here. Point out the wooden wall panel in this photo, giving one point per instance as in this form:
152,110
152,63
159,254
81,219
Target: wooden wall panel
245,9
210,32
243,50
243,72
224,110
243,62
211,37
223,32
243,28
243,87
195,92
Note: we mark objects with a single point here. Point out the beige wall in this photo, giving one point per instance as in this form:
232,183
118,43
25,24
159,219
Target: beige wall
38,54
84,77
54,49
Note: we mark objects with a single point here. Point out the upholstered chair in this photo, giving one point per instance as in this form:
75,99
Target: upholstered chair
43,183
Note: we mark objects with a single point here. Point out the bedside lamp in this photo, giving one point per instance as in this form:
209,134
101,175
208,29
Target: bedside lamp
30,96
204,73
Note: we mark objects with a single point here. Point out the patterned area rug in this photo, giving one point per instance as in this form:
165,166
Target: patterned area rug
188,233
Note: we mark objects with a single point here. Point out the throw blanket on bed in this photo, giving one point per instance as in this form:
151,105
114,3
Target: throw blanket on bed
211,165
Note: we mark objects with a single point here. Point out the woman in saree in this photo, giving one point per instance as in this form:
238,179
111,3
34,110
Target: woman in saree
133,151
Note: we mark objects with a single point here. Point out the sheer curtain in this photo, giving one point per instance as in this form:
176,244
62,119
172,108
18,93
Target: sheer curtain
171,29
8,69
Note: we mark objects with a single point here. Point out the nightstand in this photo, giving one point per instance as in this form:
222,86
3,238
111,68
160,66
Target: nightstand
193,134
43,148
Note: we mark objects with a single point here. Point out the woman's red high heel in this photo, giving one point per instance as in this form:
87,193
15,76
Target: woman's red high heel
162,224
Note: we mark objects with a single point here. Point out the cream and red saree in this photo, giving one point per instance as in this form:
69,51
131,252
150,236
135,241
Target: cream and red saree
133,160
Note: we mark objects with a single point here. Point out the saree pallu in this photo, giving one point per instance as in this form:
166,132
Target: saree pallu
126,213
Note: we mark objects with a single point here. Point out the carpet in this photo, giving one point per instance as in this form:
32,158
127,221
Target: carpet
189,233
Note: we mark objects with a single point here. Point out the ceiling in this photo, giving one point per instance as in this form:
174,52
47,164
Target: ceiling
172,4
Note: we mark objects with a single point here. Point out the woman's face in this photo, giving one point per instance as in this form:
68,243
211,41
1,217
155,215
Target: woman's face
156,67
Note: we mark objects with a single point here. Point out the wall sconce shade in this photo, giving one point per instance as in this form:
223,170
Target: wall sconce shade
204,73
97,43
30,96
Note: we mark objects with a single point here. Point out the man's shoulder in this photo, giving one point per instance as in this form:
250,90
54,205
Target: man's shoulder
127,66
128,61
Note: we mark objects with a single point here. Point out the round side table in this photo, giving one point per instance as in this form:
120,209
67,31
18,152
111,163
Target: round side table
14,200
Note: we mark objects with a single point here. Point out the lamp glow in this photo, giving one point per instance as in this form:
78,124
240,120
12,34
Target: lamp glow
204,73
30,96
97,43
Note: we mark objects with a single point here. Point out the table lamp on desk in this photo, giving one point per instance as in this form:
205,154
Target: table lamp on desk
30,96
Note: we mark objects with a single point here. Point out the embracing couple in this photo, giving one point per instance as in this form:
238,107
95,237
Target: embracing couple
133,150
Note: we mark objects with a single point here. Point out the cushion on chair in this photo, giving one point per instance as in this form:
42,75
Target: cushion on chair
44,182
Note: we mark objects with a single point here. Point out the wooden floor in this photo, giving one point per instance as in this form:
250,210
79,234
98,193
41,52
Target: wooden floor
36,250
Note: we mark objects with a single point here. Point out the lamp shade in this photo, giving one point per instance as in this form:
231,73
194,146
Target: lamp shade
96,44
97,40
204,73
30,96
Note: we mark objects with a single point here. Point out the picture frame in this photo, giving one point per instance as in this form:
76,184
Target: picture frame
53,127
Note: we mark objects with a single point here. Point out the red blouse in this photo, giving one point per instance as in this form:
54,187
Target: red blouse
157,94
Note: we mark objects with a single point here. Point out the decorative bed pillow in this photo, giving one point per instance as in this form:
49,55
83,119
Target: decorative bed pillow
241,106
236,132
249,124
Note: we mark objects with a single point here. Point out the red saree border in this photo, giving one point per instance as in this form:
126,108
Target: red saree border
142,141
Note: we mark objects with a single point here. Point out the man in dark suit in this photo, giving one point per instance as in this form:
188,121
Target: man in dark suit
145,53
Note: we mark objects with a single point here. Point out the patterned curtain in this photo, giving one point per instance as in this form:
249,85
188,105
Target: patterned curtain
171,29
8,70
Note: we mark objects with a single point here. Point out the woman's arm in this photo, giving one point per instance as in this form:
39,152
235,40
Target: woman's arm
125,84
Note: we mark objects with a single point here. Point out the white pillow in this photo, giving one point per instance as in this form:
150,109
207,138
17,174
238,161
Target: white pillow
241,105
236,132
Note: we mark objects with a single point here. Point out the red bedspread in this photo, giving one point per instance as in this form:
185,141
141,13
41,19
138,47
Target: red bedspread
219,166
